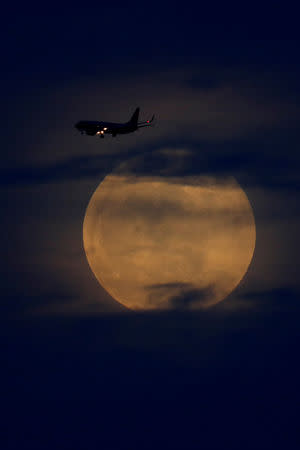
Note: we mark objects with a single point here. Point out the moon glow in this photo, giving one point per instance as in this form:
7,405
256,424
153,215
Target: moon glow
156,242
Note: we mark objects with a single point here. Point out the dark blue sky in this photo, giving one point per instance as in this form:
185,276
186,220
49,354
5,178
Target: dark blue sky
76,371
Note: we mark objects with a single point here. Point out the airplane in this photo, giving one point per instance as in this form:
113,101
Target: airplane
93,128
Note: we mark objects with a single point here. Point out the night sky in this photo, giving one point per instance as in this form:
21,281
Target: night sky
79,370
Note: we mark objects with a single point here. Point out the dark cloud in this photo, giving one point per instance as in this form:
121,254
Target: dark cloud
261,162
22,305
75,168
166,290
282,299
182,296
190,297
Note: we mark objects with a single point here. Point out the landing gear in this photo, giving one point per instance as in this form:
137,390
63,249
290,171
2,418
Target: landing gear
102,136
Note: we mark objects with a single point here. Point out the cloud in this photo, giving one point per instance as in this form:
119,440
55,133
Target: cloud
192,297
283,298
74,168
182,296
264,162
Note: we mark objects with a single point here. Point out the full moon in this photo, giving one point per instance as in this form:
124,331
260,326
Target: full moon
156,240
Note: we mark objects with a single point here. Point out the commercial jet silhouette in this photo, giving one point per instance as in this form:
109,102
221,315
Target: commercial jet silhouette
93,128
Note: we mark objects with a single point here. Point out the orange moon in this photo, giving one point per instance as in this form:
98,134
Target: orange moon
168,242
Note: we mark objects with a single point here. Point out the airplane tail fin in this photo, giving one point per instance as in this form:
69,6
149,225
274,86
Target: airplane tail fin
135,117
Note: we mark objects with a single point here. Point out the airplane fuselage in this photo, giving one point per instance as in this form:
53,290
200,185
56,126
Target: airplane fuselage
92,127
